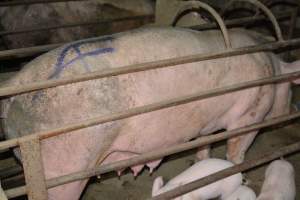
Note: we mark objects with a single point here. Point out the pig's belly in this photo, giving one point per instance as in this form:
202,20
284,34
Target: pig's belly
166,127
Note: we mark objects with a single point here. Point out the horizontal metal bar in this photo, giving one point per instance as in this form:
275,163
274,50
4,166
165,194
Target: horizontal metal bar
27,51
30,2
31,51
151,107
249,164
154,155
71,25
10,171
13,90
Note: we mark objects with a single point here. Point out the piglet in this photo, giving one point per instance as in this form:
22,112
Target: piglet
279,182
242,193
222,188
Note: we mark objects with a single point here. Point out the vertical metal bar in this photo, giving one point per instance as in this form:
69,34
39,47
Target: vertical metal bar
33,168
292,26
293,22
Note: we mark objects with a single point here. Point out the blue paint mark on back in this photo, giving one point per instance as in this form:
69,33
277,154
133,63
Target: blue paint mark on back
61,64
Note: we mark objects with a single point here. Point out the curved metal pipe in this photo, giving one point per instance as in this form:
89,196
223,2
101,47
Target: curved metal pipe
266,10
196,5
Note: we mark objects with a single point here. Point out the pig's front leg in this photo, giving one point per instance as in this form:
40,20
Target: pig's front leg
237,146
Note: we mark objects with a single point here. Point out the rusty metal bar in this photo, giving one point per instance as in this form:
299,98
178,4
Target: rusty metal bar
71,25
249,164
197,4
30,2
154,155
33,168
152,107
266,10
13,90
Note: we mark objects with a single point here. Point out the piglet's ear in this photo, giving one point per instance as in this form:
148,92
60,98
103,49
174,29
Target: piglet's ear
157,184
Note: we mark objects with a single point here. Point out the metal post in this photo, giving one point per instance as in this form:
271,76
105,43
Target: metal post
33,168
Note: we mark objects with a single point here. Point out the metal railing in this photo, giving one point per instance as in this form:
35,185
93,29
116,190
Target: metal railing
36,185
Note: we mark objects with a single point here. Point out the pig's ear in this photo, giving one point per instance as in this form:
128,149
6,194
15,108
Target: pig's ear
157,184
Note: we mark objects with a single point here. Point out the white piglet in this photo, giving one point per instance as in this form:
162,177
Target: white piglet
242,193
222,188
279,182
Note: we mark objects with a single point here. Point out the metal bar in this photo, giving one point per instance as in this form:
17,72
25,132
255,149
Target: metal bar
228,172
197,4
152,107
266,10
292,27
33,169
13,90
70,25
10,171
293,22
31,51
30,2
154,155
27,51
14,181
